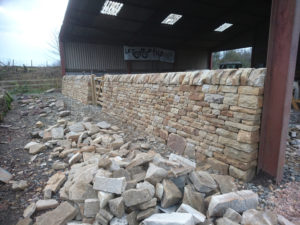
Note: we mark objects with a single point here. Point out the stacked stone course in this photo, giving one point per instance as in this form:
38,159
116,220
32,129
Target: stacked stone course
77,87
211,116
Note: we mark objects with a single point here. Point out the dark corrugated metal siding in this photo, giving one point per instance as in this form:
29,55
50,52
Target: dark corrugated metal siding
85,57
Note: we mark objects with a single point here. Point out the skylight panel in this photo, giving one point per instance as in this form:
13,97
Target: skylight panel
223,27
171,19
111,8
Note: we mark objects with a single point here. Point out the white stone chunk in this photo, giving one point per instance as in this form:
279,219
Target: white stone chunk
182,160
198,216
170,219
111,185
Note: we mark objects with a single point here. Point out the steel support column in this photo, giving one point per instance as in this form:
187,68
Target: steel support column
281,62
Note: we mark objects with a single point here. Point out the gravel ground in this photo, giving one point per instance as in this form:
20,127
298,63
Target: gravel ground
283,198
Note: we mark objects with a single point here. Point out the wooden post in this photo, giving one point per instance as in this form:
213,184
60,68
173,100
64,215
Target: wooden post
281,63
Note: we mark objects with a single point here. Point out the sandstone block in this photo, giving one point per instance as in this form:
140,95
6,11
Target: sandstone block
46,204
240,155
29,210
233,215
37,148
116,206
214,98
111,185
226,183
136,196
104,197
257,77
55,182
193,198
91,207
147,205
219,166
248,137
237,145
170,219
242,175
248,90
155,174
197,216
172,194
146,185
239,201
250,101
231,99
202,181
64,213
176,143
253,217
145,214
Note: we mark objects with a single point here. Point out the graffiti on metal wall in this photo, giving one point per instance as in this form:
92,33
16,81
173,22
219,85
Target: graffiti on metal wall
149,53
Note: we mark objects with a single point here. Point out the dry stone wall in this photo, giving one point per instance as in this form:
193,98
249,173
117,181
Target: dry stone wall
211,116
77,87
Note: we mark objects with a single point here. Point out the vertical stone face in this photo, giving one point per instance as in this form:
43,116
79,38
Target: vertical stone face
200,114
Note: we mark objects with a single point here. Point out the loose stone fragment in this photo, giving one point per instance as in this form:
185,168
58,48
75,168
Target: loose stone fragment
226,183
233,215
155,174
176,143
202,181
19,185
170,219
64,113
198,216
239,201
106,214
131,218
149,204
34,149
159,191
5,176
55,182
116,207
119,221
46,204
182,160
57,133
136,196
146,185
145,214
225,221
254,217
103,125
64,213
29,210
57,165
193,198
26,221
111,185
172,194
104,197
91,207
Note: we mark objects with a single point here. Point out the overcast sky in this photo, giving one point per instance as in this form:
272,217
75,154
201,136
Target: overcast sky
27,28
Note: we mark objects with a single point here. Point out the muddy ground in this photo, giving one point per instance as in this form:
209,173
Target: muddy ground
20,122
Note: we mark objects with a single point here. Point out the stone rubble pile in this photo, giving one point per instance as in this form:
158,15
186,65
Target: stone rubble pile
292,154
102,179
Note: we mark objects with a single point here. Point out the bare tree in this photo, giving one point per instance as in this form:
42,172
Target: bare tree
53,46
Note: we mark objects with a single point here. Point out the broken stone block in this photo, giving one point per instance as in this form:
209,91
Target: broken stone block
233,215
226,183
103,125
55,182
64,213
26,221
105,214
19,185
46,204
225,221
198,216
91,207
149,204
170,219
80,191
155,174
134,197
104,197
116,207
100,220
34,149
176,143
193,198
116,144
122,173
145,214
58,165
119,221
5,176
253,217
202,181
111,185
141,159
29,210
283,221
77,127
104,163
182,160
57,133
146,185
239,201
28,145
172,195
75,158
218,166
159,191
131,218
241,174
